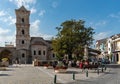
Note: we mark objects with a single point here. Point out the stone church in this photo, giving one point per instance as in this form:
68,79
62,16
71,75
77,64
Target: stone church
27,48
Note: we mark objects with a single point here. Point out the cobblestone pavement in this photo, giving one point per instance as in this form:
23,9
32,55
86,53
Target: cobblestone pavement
28,74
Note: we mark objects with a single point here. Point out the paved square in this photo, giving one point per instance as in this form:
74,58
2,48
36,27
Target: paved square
28,74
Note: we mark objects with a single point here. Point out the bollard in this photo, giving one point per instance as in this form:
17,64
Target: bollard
73,76
87,73
102,69
98,71
105,67
55,77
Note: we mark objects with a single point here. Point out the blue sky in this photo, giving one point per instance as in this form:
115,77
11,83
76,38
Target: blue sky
46,15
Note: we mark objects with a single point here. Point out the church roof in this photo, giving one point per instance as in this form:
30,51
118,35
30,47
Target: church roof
40,38
22,8
37,41
49,41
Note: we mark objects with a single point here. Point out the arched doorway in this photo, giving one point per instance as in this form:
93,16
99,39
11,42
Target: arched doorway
117,57
6,54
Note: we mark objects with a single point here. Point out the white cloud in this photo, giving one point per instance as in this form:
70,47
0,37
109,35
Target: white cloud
54,4
114,16
42,12
99,24
26,3
101,35
10,0
35,28
8,19
2,13
3,31
6,37
11,20
33,10
117,15
46,36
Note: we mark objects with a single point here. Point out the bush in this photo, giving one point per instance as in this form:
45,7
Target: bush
4,59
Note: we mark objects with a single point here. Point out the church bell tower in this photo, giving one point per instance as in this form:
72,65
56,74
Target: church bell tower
22,33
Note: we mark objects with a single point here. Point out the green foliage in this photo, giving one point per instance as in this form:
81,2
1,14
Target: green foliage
59,57
72,37
4,59
60,64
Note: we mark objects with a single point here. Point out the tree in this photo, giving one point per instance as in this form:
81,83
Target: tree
71,38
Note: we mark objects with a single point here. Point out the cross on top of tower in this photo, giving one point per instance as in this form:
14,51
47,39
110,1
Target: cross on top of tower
22,2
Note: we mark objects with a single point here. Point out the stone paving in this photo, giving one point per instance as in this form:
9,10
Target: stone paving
24,75
28,74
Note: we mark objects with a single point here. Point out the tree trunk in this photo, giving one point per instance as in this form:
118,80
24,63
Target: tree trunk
70,56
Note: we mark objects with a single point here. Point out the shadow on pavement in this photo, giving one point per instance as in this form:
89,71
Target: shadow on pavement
69,72
14,67
4,75
82,82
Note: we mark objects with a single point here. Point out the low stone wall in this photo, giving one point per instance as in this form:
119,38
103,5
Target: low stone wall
42,62
4,64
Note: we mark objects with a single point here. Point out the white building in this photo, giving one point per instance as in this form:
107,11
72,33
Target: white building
112,48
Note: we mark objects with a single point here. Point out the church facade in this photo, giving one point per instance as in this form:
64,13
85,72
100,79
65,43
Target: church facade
27,48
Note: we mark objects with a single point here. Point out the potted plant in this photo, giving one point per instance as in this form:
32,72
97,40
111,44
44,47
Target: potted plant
5,62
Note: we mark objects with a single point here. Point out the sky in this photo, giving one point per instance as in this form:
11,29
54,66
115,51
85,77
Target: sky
102,15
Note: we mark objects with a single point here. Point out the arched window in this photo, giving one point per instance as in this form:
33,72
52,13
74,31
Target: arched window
53,55
23,32
34,52
117,57
44,52
22,20
23,41
39,52
23,55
